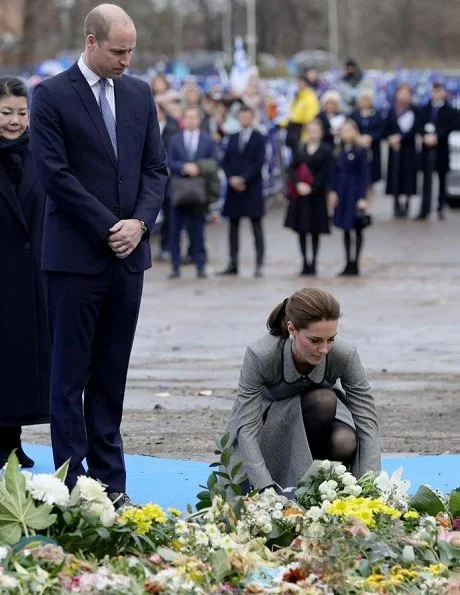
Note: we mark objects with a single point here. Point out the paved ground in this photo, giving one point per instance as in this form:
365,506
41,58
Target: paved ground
403,313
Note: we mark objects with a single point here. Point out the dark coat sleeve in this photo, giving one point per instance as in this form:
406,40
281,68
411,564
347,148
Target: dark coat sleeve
177,158
154,172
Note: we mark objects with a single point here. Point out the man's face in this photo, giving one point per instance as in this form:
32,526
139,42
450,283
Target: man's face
438,94
111,57
192,119
245,118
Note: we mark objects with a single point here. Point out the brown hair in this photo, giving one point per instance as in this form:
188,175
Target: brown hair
303,308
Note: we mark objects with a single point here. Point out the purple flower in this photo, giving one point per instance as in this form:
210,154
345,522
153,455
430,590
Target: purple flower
456,524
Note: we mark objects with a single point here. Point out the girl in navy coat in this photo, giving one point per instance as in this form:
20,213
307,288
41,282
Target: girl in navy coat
370,122
350,180
24,338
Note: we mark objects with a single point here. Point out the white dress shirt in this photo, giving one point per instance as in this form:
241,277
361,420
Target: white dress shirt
93,81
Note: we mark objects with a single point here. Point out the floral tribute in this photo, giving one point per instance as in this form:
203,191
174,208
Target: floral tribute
337,535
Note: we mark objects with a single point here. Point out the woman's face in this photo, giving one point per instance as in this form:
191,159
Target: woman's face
312,344
331,106
365,102
315,132
14,117
348,134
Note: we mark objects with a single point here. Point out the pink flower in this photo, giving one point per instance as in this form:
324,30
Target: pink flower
456,524
452,537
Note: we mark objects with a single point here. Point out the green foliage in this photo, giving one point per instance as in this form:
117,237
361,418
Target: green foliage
80,531
19,514
426,501
226,482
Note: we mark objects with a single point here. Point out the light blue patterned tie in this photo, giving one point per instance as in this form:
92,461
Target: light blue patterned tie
107,114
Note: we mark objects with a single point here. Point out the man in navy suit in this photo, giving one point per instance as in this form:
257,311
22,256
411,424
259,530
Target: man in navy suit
186,150
98,150
242,163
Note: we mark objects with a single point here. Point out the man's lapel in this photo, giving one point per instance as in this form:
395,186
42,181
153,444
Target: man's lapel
83,89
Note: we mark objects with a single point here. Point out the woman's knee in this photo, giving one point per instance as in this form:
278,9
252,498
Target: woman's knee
344,443
320,403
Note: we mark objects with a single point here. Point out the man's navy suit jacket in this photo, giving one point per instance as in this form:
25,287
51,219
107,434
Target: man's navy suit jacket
88,189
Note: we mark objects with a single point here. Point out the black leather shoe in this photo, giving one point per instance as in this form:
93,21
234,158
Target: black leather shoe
441,216
120,499
306,269
347,271
174,275
25,461
420,217
230,270
201,274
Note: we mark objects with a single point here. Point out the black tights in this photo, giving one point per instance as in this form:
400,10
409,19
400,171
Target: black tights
327,437
314,246
347,240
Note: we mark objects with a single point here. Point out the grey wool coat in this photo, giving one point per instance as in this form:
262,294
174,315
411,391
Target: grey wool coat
266,427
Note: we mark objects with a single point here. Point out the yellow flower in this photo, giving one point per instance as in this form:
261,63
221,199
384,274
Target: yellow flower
338,508
437,569
411,514
155,513
143,518
174,512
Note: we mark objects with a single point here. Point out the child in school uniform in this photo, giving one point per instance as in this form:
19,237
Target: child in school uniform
350,180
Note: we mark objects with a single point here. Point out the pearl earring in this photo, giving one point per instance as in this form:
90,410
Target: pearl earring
291,337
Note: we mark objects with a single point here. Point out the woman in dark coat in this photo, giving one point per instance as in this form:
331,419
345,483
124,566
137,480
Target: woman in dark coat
307,210
24,339
350,180
371,127
401,131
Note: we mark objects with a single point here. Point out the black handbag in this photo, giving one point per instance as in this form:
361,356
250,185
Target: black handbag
188,191
363,220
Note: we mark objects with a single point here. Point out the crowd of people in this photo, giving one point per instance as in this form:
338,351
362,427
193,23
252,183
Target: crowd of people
333,147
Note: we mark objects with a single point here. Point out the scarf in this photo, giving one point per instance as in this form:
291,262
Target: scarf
12,154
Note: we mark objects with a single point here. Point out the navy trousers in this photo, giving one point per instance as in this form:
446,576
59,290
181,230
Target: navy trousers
92,323
186,218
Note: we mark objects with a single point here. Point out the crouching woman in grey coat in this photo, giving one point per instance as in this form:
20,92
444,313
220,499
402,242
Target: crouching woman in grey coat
303,395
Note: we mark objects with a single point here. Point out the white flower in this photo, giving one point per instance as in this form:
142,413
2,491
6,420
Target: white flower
201,538
89,490
332,484
314,513
181,527
348,479
104,510
277,515
340,469
3,552
331,495
48,489
325,505
323,487
325,465
9,582
357,491
350,489
394,486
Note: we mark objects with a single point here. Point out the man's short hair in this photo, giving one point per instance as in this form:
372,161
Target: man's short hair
438,85
96,24
244,107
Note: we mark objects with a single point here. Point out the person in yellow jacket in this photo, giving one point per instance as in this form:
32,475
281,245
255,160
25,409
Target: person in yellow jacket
304,108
